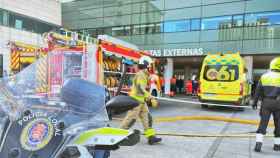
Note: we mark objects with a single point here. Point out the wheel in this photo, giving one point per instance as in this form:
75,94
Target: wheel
240,109
247,102
204,106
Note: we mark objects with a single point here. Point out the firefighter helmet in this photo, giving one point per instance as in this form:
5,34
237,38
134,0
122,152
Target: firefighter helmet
146,61
275,64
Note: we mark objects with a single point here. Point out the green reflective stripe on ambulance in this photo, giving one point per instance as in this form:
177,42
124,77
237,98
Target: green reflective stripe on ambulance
223,60
100,131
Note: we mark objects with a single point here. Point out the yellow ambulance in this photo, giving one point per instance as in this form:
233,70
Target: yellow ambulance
223,79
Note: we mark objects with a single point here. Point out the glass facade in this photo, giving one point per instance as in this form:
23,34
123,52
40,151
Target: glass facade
263,19
216,23
20,22
1,17
176,26
248,26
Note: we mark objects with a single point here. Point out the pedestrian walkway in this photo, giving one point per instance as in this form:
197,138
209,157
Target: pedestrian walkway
197,147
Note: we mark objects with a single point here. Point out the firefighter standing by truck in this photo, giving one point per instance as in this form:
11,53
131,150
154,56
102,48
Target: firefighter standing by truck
139,92
268,90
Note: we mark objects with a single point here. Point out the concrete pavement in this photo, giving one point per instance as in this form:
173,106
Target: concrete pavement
193,147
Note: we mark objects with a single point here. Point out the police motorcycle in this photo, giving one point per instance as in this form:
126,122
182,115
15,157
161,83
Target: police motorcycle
73,124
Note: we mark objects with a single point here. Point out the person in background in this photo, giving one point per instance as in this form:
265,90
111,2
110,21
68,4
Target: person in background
162,84
181,81
5,73
173,85
254,85
194,86
177,84
189,87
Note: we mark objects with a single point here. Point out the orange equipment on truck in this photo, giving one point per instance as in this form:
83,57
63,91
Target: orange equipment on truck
116,63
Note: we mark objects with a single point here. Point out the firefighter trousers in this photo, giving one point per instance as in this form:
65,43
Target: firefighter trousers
141,112
265,114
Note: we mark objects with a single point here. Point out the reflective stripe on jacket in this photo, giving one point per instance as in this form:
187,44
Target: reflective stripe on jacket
268,87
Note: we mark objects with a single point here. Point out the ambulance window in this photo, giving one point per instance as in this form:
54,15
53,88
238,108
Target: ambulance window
221,73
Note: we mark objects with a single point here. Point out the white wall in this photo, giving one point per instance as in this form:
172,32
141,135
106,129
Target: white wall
168,73
45,10
10,34
249,66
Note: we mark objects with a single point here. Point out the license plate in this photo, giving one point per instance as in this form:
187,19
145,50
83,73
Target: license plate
209,94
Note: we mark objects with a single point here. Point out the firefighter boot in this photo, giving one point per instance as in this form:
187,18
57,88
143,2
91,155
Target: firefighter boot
154,140
150,134
259,140
258,147
276,147
276,144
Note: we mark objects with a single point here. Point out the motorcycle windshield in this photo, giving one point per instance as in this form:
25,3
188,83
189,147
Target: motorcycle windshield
41,89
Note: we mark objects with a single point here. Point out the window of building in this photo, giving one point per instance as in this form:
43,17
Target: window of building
100,31
18,23
5,18
92,32
195,24
24,23
136,30
108,30
1,17
118,31
216,23
149,28
177,26
158,27
43,27
143,29
271,18
237,20
127,30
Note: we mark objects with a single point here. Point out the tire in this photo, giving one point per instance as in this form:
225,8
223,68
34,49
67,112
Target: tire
240,109
204,106
247,102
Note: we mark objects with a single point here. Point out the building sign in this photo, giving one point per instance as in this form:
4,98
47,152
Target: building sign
177,52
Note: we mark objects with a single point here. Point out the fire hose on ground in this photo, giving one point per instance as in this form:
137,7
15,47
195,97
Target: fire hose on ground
208,118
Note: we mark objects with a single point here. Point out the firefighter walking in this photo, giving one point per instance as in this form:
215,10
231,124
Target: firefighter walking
268,90
139,92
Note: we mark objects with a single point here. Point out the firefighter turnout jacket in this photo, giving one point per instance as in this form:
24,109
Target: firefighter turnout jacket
139,85
269,89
